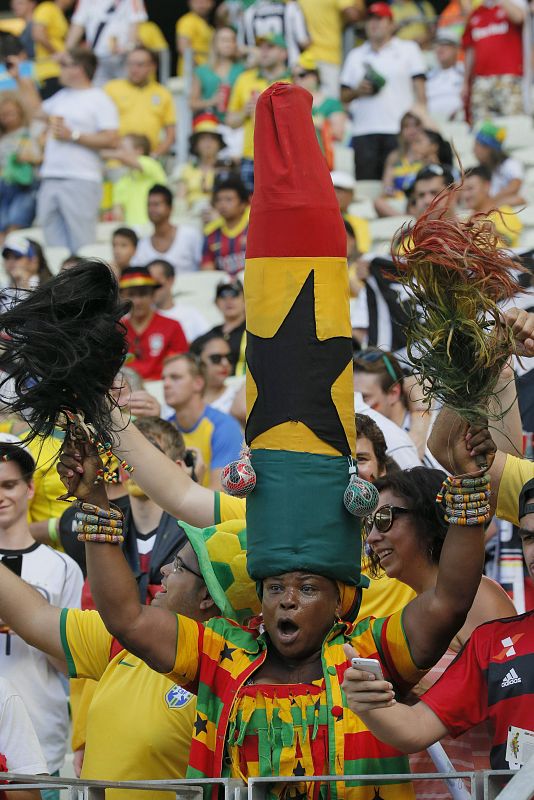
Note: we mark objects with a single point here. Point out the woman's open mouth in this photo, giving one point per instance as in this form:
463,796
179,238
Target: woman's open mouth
288,631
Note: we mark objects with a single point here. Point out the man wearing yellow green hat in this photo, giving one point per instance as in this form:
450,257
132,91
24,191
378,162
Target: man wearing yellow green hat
269,697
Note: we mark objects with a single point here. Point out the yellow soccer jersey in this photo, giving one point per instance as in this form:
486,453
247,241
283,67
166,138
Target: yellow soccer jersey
52,18
129,697
48,487
325,24
249,85
144,110
193,27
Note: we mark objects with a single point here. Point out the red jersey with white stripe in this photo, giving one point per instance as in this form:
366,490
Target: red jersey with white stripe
496,42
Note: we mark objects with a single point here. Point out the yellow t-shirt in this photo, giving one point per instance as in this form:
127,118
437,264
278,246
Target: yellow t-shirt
145,110
139,723
508,225
383,597
516,472
48,487
249,84
51,17
193,27
325,26
404,11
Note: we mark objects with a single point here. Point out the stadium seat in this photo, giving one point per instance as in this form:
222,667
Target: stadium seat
198,289
32,233
97,250
363,208
369,189
383,230
518,130
55,256
525,155
343,158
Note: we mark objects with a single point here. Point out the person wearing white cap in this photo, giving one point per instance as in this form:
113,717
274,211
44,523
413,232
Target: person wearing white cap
444,82
25,265
345,188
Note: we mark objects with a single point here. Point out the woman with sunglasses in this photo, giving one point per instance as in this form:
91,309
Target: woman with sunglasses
404,539
217,361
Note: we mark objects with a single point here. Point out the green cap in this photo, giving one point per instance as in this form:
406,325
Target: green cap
275,39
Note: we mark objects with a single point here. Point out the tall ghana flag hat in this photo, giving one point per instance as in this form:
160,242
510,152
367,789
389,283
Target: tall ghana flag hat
300,398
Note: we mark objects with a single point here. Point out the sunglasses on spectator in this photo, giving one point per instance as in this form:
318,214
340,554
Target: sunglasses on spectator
218,358
228,291
372,356
383,518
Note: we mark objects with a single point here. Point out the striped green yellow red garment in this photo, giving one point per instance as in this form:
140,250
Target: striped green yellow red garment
215,661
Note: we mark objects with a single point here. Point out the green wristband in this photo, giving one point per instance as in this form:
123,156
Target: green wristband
52,530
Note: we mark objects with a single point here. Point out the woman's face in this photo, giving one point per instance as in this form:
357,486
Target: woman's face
207,145
225,43
482,152
216,358
10,116
299,609
18,267
410,127
423,148
368,467
398,549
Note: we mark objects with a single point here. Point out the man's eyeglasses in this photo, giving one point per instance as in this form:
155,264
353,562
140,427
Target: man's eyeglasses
179,566
383,518
218,358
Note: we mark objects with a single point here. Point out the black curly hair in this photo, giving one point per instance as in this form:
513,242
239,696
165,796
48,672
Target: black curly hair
418,487
62,347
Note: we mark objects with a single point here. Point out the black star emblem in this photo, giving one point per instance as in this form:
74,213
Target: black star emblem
226,652
201,725
299,770
294,372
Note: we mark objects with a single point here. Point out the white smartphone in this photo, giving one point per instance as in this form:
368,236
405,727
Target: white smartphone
369,665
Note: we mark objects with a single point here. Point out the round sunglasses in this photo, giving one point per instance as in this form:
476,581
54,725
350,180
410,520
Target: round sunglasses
383,518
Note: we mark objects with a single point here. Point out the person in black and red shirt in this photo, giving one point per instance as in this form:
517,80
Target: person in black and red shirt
225,239
492,678
151,336
493,47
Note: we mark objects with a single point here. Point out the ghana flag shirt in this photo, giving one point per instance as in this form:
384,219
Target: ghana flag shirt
215,661
491,678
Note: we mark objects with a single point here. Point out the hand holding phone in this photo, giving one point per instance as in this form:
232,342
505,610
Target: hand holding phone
371,665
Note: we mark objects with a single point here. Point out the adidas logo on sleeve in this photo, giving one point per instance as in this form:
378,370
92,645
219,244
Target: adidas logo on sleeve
510,678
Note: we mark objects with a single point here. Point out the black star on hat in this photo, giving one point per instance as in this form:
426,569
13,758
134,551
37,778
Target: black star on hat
299,770
294,372
226,652
201,725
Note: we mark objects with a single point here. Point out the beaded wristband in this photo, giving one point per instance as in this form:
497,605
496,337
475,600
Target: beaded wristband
93,519
89,508
106,538
81,528
463,506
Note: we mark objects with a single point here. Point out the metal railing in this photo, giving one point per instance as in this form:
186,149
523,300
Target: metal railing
488,785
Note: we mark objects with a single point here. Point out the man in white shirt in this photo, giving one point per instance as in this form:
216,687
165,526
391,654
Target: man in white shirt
399,445
194,324
444,83
18,741
110,30
82,121
381,80
59,579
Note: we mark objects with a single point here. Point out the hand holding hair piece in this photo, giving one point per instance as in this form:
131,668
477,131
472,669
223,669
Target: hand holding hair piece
62,346
457,338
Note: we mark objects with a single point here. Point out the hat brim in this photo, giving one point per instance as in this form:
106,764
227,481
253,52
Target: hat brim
138,283
193,139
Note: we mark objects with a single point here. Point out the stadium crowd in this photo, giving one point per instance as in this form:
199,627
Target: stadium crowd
407,102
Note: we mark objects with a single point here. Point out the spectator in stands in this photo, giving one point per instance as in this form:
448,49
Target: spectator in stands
218,436
381,80
452,19
124,243
24,262
216,359
345,187
23,9
272,67
16,71
144,105
493,46
230,300
179,244
192,321
506,173
49,33
193,32
225,239
72,261
401,166
329,116
445,81
213,81
18,186
414,21
151,337
20,750
477,198
59,579
379,379
110,31
281,17
429,182
130,192
325,20
487,682
82,121
197,177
